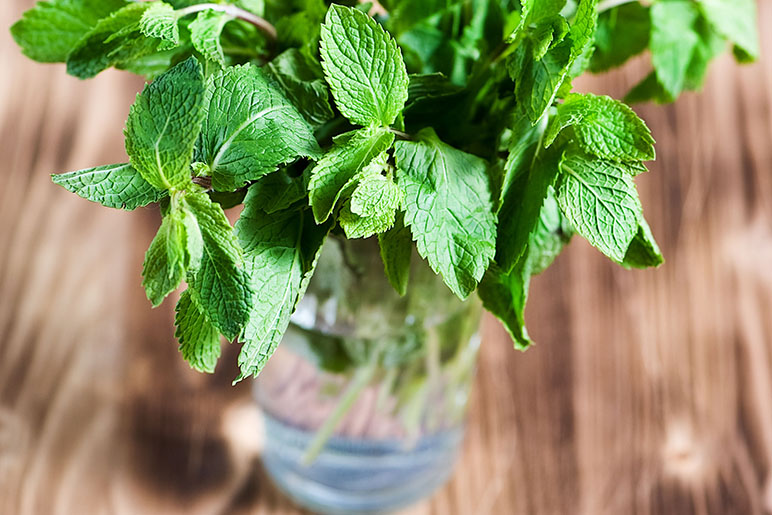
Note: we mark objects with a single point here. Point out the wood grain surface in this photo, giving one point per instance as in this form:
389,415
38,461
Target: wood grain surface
648,393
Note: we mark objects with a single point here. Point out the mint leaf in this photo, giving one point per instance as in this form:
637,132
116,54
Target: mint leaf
622,33
605,127
160,21
363,66
448,208
600,200
249,128
205,32
537,82
220,285
709,45
118,186
673,42
736,21
532,171
643,251
281,250
505,294
169,255
373,203
199,339
278,191
396,246
50,30
302,81
113,40
340,167
163,126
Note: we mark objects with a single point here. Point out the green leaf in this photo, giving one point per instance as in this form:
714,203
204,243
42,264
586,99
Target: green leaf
163,126
605,127
709,46
523,198
169,255
673,41
538,82
341,166
363,66
281,250
278,191
113,40
199,339
622,33
643,251
118,186
220,285
649,89
505,294
736,21
302,81
448,208
396,246
249,128
205,32
600,200
160,21
373,203
50,30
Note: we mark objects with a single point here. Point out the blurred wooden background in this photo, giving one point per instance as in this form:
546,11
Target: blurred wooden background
649,392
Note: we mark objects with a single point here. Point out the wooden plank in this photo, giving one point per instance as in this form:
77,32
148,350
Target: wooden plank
648,392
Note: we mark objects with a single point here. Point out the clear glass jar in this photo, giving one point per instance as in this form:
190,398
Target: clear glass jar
365,400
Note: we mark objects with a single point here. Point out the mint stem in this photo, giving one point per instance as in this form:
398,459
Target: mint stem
236,12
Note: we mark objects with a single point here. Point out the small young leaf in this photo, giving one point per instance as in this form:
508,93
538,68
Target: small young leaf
373,204
249,128
220,285
600,200
167,259
163,126
605,127
363,66
281,250
340,167
50,30
396,250
205,32
448,208
118,186
160,21
199,339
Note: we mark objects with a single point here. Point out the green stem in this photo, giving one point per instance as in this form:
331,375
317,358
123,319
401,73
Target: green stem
359,382
236,12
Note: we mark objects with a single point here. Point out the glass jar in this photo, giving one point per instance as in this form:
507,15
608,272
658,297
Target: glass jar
365,400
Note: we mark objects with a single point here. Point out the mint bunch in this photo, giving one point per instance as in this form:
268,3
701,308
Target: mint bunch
445,126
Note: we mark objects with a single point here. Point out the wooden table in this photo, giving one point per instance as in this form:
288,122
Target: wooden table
649,392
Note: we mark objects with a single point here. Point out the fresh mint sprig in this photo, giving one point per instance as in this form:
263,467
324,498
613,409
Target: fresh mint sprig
445,126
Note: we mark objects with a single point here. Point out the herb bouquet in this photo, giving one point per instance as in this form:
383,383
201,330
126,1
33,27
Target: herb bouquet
434,141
